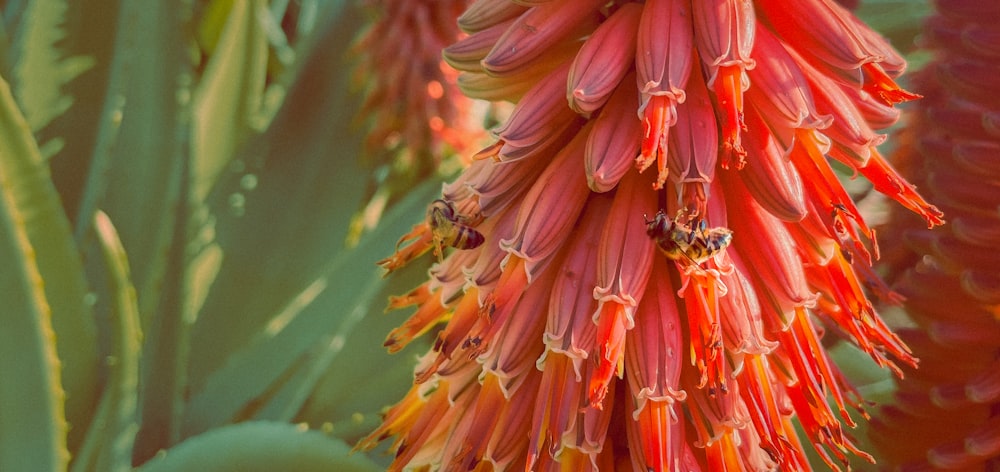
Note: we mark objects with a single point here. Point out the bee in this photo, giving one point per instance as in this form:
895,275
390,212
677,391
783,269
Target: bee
448,227
671,237
678,241
708,242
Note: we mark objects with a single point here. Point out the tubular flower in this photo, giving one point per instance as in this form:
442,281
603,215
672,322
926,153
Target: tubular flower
950,407
613,318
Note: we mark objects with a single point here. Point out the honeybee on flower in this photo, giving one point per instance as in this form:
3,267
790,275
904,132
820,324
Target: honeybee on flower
679,241
449,228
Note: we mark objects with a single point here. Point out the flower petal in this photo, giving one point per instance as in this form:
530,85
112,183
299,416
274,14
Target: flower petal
603,60
508,443
550,208
515,346
764,244
886,180
656,436
540,112
502,183
486,87
569,328
538,30
769,176
555,412
468,53
724,36
740,314
625,254
614,141
654,348
724,33
694,143
823,31
483,14
780,92
663,50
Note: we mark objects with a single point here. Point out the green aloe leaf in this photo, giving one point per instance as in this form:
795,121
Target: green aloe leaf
109,441
340,366
260,446
32,424
226,103
32,196
275,374
334,396
138,178
41,68
282,207
139,163
83,50
227,100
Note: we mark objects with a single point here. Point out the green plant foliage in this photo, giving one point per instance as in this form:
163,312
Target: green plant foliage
227,101
260,446
42,69
273,375
32,425
112,430
184,267
36,211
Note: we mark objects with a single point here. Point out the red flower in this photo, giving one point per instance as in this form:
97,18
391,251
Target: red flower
591,331
411,103
948,409
413,114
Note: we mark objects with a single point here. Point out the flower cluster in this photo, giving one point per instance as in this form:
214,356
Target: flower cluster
643,263
413,115
948,409
411,102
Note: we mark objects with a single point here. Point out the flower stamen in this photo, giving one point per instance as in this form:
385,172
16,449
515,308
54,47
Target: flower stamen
420,239
882,87
728,90
611,327
658,116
